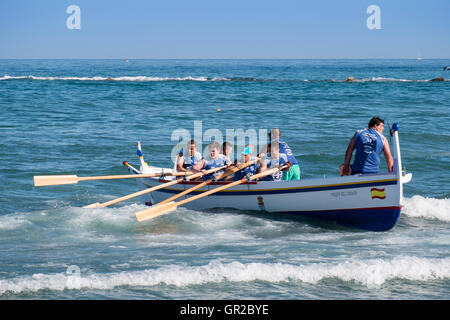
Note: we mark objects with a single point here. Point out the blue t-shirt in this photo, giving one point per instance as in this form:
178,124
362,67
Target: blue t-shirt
246,172
368,145
284,148
211,164
275,163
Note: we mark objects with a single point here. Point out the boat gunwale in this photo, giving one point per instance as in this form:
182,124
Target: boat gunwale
314,185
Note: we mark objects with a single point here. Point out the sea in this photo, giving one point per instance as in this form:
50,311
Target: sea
85,117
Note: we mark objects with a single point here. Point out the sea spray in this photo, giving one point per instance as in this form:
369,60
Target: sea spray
142,78
428,208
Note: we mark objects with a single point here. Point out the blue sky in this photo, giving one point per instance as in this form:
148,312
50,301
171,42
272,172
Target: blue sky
224,29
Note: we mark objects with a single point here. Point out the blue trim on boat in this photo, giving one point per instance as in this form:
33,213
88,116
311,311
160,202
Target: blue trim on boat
290,190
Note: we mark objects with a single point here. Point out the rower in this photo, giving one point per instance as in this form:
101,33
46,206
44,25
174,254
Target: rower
215,160
294,171
186,160
274,159
252,169
227,150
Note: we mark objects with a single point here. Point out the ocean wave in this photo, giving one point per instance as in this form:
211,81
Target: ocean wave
78,222
122,218
383,79
428,208
121,78
370,273
12,222
204,79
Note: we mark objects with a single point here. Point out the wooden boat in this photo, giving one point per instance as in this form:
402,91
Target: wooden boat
366,201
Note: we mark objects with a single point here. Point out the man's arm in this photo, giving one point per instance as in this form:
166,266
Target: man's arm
348,156
262,165
180,164
263,151
388,155
199,165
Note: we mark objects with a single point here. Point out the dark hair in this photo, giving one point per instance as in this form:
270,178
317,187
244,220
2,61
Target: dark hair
276,133
375,121
192,141
274,144
226,144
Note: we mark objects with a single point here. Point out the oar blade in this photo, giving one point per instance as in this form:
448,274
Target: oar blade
94,205
156,211
54,180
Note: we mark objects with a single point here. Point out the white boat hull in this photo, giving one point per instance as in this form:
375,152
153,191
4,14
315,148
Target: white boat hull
370,202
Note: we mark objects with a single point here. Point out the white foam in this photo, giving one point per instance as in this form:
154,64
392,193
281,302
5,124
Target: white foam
12,222
382,79
429,208
370,273
113,216
121,78
143,78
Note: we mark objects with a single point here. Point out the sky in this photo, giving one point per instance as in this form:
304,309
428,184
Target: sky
231,29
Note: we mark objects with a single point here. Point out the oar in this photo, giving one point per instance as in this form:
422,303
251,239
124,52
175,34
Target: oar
159,210
139,193
224,174
72,179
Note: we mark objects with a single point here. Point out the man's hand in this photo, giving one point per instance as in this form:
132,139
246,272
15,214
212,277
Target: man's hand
346,170
237,164
289,164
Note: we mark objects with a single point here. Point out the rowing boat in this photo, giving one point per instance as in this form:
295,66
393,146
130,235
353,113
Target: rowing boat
366,201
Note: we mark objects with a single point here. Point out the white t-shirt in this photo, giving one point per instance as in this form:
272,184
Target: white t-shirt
188,162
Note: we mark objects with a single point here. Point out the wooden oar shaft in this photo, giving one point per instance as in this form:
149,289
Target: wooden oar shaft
123,176
229,185
207,193
72,179
224,174
142,192
195,187
178,195
159,210
133,195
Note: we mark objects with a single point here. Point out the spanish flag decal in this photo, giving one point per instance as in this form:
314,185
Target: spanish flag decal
378,193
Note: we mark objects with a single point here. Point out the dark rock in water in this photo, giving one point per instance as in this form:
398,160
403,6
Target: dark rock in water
438,79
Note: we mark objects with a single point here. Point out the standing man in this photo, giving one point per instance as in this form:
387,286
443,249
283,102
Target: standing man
294,171
369,143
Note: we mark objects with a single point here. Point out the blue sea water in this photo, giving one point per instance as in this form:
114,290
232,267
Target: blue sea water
84,117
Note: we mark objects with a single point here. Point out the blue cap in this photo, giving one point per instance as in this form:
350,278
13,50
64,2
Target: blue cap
246,151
